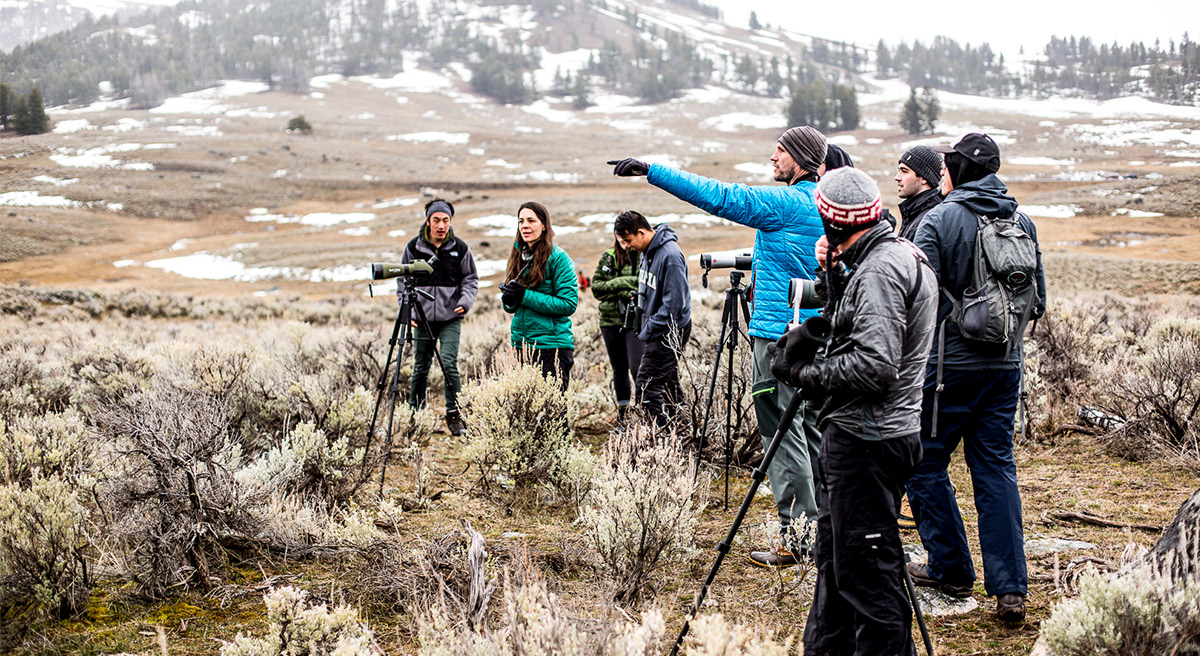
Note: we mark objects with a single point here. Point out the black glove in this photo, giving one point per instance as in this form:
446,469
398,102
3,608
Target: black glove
629,167
797,347
511,293
808,380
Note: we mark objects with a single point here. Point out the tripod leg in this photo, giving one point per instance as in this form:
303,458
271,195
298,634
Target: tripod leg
916,606
712,386
723,548
380,385
734,329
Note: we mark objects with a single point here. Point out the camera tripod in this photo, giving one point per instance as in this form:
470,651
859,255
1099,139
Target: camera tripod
731,327
760,473
402,333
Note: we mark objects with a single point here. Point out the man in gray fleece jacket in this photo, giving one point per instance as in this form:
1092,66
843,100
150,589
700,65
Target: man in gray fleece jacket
882,305
665,303
452,286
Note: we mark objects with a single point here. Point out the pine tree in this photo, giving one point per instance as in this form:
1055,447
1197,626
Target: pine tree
846,99
754,24
930,110
6,107
822,112
20,116
799,110
883,59
582,92
39,122
911,115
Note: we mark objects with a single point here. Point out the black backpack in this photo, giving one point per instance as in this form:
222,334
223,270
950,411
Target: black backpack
999,303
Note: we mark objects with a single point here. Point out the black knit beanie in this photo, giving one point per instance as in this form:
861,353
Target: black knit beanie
925,162
806,145
836,158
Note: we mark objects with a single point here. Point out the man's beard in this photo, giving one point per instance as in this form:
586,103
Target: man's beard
785,175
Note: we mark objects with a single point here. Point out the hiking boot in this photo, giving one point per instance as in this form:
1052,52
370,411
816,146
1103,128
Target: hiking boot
455,423
1010,607
777,557
920,576
905,517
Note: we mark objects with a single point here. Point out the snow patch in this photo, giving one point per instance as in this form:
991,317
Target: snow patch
57,182
1038,161
34,199
1051,211
736,121
209,101
487,268
73,125
452,138
756,170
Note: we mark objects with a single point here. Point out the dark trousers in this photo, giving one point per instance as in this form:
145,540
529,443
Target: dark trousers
446,334
624,354
977,408
659,392
555,362
860,606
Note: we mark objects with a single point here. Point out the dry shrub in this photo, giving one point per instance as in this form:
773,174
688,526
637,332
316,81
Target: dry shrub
44,461
296,626
537,624
1153,387
642,509
42,572
519,425
28,383
1135,612
713,635
308,465
172,494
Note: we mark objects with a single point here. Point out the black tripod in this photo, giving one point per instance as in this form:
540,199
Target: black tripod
731,327
760,473
402,334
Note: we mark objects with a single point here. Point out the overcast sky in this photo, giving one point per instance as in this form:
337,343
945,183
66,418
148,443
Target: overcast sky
1005,24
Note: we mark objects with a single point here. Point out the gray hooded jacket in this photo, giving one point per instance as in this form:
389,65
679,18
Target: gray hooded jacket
874,366
454,280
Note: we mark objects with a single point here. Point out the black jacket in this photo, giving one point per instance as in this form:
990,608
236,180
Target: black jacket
914,208
454,280
947,236
873,369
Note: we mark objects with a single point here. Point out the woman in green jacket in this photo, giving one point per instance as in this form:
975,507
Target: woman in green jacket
541,292
612,284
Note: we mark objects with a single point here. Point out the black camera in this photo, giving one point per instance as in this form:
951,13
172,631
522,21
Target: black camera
631,314
740,262
381,271
803,295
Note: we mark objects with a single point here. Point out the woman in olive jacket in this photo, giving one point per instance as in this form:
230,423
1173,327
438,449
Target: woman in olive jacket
612,284
541,292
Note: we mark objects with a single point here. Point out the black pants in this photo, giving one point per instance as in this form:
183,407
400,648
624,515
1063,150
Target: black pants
659,392
624,354
860,606
555,362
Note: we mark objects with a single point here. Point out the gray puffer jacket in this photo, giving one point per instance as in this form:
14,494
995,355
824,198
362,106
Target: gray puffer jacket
873,368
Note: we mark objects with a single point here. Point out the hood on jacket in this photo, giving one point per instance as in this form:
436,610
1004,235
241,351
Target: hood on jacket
662,234
987,196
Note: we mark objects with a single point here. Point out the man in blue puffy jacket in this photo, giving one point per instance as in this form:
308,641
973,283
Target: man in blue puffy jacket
788,226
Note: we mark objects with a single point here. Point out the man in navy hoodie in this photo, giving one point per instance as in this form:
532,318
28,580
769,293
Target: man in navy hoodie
975,397
665,302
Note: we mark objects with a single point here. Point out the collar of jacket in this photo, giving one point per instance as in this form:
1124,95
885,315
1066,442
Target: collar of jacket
913,206
860,248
